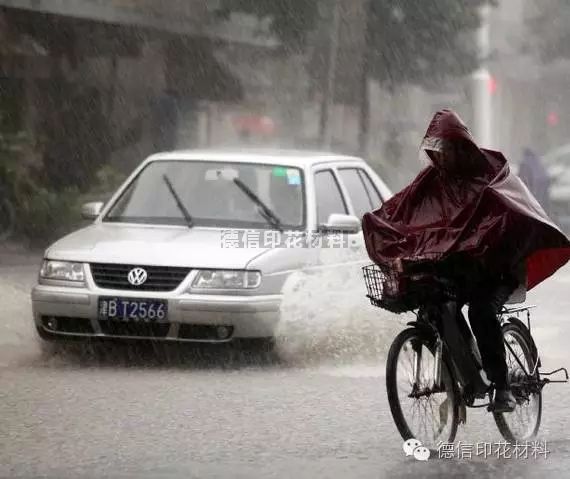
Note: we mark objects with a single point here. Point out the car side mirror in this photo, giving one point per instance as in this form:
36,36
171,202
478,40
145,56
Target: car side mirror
342,224
90,211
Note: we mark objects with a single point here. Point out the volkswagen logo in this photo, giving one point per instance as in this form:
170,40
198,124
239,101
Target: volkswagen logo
137,276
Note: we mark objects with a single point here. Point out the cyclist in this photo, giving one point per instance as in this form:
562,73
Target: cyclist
457,160
467,205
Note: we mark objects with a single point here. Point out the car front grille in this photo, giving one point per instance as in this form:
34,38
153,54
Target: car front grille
159,278
148,330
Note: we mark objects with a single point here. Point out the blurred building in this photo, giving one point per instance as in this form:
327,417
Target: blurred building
91,80
97,79
531,101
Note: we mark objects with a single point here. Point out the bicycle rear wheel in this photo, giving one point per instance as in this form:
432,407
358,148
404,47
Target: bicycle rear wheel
523,423
434,416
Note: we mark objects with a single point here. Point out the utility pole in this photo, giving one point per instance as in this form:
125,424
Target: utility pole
329,87
364,103
482,105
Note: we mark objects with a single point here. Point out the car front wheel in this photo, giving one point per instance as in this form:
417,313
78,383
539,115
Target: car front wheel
264,349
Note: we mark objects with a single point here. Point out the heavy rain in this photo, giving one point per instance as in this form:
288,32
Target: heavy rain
189,192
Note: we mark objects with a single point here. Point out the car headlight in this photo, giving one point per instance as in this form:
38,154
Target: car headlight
226,279
63,270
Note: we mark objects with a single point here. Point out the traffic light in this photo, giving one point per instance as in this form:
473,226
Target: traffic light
492,84
552,118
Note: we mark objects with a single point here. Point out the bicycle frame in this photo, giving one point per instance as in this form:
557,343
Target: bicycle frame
530,381
433,299
457,372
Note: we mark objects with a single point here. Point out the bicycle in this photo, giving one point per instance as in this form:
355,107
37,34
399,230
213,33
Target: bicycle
446,373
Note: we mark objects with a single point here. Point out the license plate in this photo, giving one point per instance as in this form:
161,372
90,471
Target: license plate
139,310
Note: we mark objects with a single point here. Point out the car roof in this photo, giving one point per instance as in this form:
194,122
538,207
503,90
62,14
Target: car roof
299,158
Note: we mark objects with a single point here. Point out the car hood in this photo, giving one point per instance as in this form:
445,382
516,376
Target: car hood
152,245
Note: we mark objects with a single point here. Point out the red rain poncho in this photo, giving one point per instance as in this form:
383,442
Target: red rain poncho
488,214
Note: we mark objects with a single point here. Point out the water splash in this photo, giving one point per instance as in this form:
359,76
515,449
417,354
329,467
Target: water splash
326,320
326,317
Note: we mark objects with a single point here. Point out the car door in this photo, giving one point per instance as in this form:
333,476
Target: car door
331,198
362,197
327,277
335,277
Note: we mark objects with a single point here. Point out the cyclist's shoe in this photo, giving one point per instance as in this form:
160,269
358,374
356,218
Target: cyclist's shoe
504,401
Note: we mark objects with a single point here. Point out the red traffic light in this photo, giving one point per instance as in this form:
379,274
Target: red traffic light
553,118
492,84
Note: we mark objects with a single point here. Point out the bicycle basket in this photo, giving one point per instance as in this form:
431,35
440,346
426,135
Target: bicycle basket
385,288
398,291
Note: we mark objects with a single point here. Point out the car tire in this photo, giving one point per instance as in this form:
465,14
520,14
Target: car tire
46,335
260,348
262,345
50,346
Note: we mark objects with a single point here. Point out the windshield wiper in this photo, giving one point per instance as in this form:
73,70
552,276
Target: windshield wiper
264,210
179,203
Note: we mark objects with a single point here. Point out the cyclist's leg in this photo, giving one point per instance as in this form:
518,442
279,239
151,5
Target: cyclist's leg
487,329
483,309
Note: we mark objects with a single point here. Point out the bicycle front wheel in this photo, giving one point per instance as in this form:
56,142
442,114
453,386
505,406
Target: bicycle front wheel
420,410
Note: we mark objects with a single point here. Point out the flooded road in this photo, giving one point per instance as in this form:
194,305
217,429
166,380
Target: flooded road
221,414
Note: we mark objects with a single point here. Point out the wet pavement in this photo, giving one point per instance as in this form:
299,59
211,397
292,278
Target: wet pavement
219,413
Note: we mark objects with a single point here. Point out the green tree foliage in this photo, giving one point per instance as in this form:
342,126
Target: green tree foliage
291,20
40,214
409,41
421,41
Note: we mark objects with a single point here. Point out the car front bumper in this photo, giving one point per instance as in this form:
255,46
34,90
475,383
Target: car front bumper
191,317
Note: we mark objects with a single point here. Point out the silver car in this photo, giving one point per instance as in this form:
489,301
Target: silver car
199,245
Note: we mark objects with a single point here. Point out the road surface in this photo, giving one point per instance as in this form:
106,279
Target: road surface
320,413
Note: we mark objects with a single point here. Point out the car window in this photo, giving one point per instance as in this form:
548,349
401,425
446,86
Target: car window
207,190
328,195
371,189
359,196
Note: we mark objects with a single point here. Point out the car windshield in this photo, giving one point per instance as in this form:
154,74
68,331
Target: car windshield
209,193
